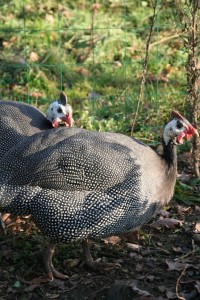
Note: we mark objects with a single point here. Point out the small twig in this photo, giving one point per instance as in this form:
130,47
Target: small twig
94,9
163,40
188,254
103,288
144,72
177,284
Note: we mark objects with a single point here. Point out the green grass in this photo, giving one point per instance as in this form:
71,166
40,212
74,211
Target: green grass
46,47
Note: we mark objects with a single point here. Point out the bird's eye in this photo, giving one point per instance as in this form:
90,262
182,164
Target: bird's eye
179,125
52,108
59,110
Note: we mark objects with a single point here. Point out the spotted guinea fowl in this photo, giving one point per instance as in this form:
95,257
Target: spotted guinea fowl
80,184
59,112
19,120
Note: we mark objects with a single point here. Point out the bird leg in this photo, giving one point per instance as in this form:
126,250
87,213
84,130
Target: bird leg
3,218
94,265
2,222
51,271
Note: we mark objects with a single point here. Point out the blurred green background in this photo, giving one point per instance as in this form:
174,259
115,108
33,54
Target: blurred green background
94,51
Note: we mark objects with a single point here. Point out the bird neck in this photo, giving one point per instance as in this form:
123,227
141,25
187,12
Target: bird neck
169,154
168,177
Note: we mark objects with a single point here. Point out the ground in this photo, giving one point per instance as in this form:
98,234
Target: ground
161,260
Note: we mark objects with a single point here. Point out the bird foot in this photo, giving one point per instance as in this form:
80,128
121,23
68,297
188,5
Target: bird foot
98,266
51,271
3,219
95,265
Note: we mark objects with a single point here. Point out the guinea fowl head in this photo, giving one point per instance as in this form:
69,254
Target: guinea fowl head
60,112
177,129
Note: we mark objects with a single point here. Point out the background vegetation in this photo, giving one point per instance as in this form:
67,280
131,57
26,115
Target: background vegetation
94,51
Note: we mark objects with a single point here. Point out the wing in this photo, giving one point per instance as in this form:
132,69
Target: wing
72,159
18,120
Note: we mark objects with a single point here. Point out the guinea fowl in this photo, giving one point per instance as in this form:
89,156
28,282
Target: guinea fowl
80,184
19,120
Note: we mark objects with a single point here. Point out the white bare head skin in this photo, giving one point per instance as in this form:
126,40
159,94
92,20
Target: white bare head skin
173,129
59,111
177,129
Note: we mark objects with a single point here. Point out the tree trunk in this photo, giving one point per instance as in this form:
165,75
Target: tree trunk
193,78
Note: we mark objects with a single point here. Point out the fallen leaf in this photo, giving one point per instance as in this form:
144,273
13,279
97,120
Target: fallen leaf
196,237
112,240
11,16
178,249
171,295
197,228
5,44
121,288
31,288
35,94
96,6
164,213
71,263
138,267
38,280
134,247
52,296
161,288
197,286
182,209
131,236
132,254
197,208
34,56
139,291
150,277
177,266
49,18
83,71
159,244
67,14
166,223
12,39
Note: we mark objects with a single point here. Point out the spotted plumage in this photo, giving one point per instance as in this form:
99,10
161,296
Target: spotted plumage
80,184
19,120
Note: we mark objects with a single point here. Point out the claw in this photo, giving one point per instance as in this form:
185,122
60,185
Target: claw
95,265
51,271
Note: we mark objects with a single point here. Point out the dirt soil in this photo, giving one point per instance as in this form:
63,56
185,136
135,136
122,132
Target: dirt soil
161,261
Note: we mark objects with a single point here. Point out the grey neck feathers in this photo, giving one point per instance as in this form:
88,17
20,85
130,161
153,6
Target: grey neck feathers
169,154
